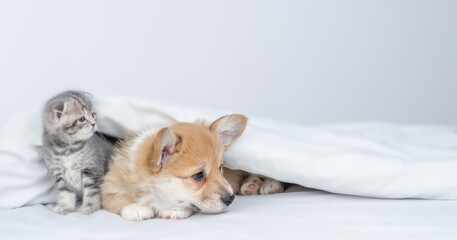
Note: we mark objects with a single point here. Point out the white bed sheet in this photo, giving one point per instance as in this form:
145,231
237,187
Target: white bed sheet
297,214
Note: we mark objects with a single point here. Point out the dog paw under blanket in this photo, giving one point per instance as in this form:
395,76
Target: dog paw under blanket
372,160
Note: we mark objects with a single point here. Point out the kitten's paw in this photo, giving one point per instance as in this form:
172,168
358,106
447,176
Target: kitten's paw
271,186
173,213
89,208
63,209
251,186
136,212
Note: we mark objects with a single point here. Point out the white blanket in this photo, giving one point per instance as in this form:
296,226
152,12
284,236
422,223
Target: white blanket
373,160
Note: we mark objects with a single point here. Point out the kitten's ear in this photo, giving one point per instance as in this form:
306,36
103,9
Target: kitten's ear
88,95
229,127
165,147
59,108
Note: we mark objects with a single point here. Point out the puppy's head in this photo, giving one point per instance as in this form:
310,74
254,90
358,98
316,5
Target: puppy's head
187,163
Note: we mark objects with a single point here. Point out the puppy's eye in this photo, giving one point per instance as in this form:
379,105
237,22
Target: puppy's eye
81,119
198,176
94,114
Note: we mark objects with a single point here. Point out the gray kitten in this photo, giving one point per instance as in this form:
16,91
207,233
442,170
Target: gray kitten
75,154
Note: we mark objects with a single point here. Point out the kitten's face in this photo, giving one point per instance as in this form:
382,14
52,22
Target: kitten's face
73,121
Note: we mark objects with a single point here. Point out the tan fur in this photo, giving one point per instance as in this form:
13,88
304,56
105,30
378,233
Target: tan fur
138,180
235,178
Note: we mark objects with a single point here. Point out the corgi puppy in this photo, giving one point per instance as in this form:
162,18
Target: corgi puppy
173,171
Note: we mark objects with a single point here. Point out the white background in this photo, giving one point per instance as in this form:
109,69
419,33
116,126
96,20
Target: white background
308,62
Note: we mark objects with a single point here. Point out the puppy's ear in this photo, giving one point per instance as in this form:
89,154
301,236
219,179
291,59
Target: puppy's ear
164,149
229,127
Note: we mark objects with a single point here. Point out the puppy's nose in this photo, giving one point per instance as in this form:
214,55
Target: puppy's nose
228,199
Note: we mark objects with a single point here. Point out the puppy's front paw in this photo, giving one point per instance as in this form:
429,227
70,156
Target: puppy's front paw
271,186
251,185
63,209
173,213
136,212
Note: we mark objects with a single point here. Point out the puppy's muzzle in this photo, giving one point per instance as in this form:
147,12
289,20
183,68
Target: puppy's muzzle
227,199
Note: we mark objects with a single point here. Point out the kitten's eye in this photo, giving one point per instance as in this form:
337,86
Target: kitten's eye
221,166
81,119
198,176
94,115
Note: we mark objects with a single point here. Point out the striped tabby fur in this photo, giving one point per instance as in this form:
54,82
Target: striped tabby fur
75,154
